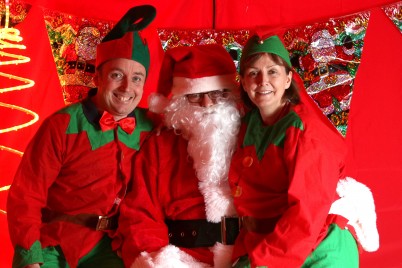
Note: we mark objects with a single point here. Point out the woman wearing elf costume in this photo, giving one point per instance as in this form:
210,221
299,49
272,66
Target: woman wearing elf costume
285,172
64,200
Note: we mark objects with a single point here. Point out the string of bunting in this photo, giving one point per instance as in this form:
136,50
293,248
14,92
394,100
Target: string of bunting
327,69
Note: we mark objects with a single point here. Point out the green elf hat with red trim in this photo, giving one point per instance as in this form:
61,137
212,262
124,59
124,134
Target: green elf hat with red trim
260,44
124,40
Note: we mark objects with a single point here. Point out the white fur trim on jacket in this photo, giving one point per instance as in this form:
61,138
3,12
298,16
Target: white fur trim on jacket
356,203
167,257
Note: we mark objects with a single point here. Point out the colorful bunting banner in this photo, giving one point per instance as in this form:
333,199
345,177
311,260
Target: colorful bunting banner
73,41
233,41
18,11
327,55
394,13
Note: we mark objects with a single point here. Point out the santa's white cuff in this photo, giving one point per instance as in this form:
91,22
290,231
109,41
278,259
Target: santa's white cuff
167,257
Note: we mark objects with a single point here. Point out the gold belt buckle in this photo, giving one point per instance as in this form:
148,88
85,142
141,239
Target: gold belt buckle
103,223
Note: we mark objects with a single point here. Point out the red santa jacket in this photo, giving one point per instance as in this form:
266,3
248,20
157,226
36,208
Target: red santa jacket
165,187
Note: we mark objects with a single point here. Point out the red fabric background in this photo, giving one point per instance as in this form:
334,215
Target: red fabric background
374,128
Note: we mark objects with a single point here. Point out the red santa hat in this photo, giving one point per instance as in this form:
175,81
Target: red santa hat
194,69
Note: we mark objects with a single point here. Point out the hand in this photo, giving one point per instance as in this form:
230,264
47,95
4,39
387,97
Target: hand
33,265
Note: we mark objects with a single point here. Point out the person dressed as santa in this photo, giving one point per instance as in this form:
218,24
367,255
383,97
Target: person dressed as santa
172,216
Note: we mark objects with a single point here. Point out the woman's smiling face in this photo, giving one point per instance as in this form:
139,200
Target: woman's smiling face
265,82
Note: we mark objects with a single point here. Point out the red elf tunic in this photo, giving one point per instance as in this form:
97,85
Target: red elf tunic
288,171
70,167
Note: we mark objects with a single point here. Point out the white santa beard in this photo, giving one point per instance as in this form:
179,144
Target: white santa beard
211,133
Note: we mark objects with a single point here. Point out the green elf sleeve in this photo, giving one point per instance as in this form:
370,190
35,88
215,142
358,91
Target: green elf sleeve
23,257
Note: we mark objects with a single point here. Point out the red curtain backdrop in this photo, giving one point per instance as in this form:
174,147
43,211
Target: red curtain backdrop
374,132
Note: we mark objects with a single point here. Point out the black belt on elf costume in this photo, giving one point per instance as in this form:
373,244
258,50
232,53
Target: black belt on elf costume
92,221
201,233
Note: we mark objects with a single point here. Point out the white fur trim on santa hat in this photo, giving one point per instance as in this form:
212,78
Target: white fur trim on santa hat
185,85
356,204
167,257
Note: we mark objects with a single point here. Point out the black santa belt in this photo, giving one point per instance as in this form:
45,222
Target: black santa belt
202,233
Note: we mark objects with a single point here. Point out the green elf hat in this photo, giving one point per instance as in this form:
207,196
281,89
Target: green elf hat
258,44
124,40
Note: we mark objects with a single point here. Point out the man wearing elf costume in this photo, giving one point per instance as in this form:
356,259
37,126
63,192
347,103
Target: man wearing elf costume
64,200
